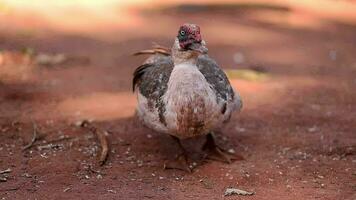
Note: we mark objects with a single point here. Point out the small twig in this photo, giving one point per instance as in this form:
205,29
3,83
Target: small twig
61,138
6,171
10,189
51,143
104,147
102,139
33,140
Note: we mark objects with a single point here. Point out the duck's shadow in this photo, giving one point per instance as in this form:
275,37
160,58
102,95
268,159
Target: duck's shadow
157,148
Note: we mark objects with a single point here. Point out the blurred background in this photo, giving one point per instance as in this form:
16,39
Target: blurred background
293,61
89,43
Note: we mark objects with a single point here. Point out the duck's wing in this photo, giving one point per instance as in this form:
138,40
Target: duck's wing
151,80
158,65
219,82
153,76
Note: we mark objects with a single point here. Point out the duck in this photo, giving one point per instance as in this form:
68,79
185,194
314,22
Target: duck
184,93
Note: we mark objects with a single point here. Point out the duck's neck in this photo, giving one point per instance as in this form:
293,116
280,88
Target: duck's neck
183,57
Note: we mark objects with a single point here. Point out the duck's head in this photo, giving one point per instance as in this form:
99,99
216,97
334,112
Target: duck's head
190,39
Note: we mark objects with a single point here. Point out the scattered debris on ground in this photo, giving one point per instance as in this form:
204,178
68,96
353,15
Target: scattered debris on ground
101,136
3,179
3,176
235,191
296,129
8,170
34,138
48,59
52,143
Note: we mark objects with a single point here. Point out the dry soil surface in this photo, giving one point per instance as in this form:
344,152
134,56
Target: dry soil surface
296,130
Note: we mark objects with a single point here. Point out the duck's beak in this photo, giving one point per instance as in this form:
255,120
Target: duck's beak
199,47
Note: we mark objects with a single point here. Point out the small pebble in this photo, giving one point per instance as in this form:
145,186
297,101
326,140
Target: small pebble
232,151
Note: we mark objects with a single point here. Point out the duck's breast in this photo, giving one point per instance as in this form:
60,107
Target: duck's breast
191,105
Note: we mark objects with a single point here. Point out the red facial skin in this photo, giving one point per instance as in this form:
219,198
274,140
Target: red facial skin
192,35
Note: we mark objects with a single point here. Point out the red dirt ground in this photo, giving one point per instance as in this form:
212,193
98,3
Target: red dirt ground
296,130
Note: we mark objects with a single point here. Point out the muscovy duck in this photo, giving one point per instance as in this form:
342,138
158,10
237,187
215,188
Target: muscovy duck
184,93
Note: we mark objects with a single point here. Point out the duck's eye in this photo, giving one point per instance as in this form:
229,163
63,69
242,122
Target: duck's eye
182,33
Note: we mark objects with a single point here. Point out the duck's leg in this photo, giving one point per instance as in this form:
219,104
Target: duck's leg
181,161
217,153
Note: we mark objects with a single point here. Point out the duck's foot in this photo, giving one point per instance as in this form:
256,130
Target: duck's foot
214,152
181,161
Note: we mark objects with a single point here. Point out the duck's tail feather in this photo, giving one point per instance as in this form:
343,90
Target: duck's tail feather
156,48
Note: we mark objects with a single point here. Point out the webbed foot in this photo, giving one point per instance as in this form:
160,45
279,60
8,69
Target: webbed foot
181,161
214,152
